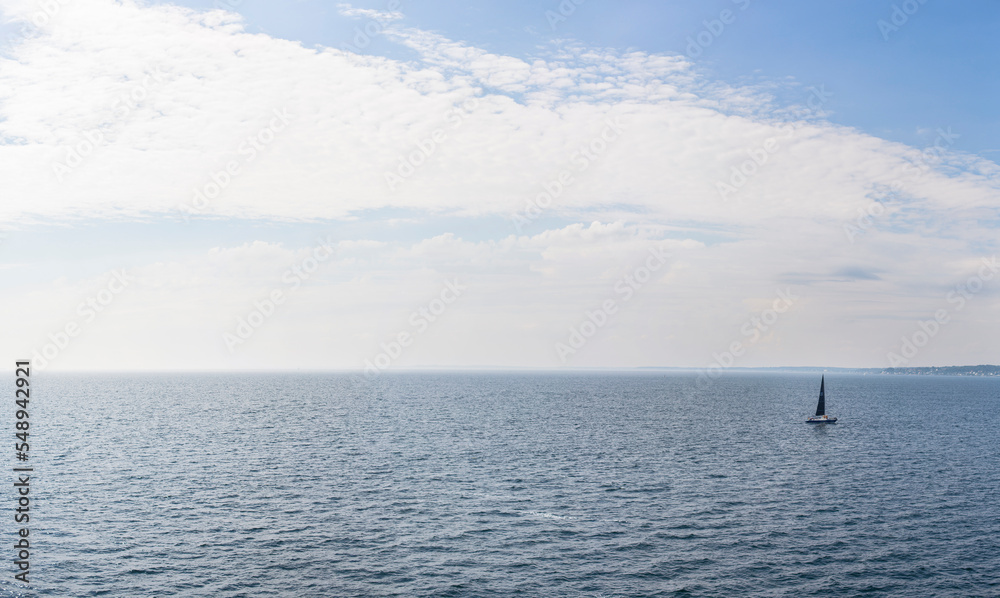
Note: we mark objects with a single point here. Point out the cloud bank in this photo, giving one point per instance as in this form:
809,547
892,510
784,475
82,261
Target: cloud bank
582,159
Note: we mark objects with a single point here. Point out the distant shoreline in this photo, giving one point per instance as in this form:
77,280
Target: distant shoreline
949,370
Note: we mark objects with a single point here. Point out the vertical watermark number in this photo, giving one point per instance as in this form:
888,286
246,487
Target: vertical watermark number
22,471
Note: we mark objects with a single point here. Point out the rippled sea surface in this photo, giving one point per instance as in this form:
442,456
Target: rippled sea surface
472,484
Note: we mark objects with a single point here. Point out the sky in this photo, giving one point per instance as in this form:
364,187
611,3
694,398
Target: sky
243,184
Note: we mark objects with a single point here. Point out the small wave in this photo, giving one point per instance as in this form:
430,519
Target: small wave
546,515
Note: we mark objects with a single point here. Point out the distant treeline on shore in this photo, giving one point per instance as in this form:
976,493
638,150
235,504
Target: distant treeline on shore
948,370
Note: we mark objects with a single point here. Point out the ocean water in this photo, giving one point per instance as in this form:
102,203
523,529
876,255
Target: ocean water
476,484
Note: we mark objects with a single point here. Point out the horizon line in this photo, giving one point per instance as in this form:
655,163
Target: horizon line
482,368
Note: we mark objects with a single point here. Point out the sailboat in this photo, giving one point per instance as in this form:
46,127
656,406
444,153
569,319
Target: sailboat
821,417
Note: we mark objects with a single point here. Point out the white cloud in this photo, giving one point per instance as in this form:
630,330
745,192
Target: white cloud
354,118
173,97
367,13
337,313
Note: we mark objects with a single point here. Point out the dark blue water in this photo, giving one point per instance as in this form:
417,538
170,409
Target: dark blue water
511,485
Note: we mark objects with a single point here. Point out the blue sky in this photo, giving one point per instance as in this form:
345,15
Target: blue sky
939,69
548,167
